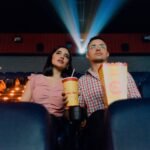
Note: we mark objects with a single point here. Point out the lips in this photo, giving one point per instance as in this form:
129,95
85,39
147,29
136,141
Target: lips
98,53
60,61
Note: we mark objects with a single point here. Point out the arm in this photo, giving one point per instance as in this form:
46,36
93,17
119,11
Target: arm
133,91
82,105
26,97
81,97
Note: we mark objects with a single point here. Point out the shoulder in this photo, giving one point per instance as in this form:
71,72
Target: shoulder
37,80
129,76
34,78
87,74
84,78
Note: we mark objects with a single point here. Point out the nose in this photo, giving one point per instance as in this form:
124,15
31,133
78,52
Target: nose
98,48
62,56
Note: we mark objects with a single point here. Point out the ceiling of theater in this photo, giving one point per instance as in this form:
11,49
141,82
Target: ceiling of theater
40,16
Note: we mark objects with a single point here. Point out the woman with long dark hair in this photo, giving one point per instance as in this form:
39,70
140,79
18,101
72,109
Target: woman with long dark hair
49,66
47,88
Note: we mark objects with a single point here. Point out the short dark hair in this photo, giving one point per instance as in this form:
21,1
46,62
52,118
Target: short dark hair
48,67
95,38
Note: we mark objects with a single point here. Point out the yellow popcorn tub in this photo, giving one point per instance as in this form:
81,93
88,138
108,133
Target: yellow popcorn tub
113,77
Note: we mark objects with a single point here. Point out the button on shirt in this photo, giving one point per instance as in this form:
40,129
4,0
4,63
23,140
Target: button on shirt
91,93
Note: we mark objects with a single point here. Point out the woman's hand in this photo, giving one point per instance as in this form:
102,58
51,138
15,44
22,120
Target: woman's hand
65,101
83,123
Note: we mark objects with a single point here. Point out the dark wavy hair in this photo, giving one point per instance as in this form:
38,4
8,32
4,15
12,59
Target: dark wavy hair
95,38
48,68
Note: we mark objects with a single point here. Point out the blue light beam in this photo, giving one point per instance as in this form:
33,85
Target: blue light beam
106,10
67,11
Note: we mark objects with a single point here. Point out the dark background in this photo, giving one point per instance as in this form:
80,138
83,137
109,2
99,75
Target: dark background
39,16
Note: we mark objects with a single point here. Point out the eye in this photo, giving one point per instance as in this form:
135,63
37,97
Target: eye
58,52
67,56
92,46
103,46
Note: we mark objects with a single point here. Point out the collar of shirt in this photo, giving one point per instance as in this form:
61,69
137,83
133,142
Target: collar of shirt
92,73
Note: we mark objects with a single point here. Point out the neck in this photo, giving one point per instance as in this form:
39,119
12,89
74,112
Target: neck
95,67
56,73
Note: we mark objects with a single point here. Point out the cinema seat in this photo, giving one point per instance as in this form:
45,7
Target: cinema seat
140,78
24,126
128,125
145,89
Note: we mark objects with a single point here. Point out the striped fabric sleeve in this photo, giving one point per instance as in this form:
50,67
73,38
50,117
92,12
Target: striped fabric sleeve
133,91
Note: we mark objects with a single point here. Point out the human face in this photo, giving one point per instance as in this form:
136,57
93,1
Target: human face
97,51
60,58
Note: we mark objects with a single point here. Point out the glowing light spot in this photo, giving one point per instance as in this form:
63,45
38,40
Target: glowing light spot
11,94
12,91
19,98
17,88
5,98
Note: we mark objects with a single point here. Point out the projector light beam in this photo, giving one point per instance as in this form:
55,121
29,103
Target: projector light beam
67,10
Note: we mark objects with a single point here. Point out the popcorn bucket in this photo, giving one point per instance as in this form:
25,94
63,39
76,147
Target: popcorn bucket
113,77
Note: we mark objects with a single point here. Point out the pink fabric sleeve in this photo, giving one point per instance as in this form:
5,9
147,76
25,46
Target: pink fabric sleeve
31,79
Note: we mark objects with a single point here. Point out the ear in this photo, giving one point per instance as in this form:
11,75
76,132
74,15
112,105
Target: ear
107,54
87,56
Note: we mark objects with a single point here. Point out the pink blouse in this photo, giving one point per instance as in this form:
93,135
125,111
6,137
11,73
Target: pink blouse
46,94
